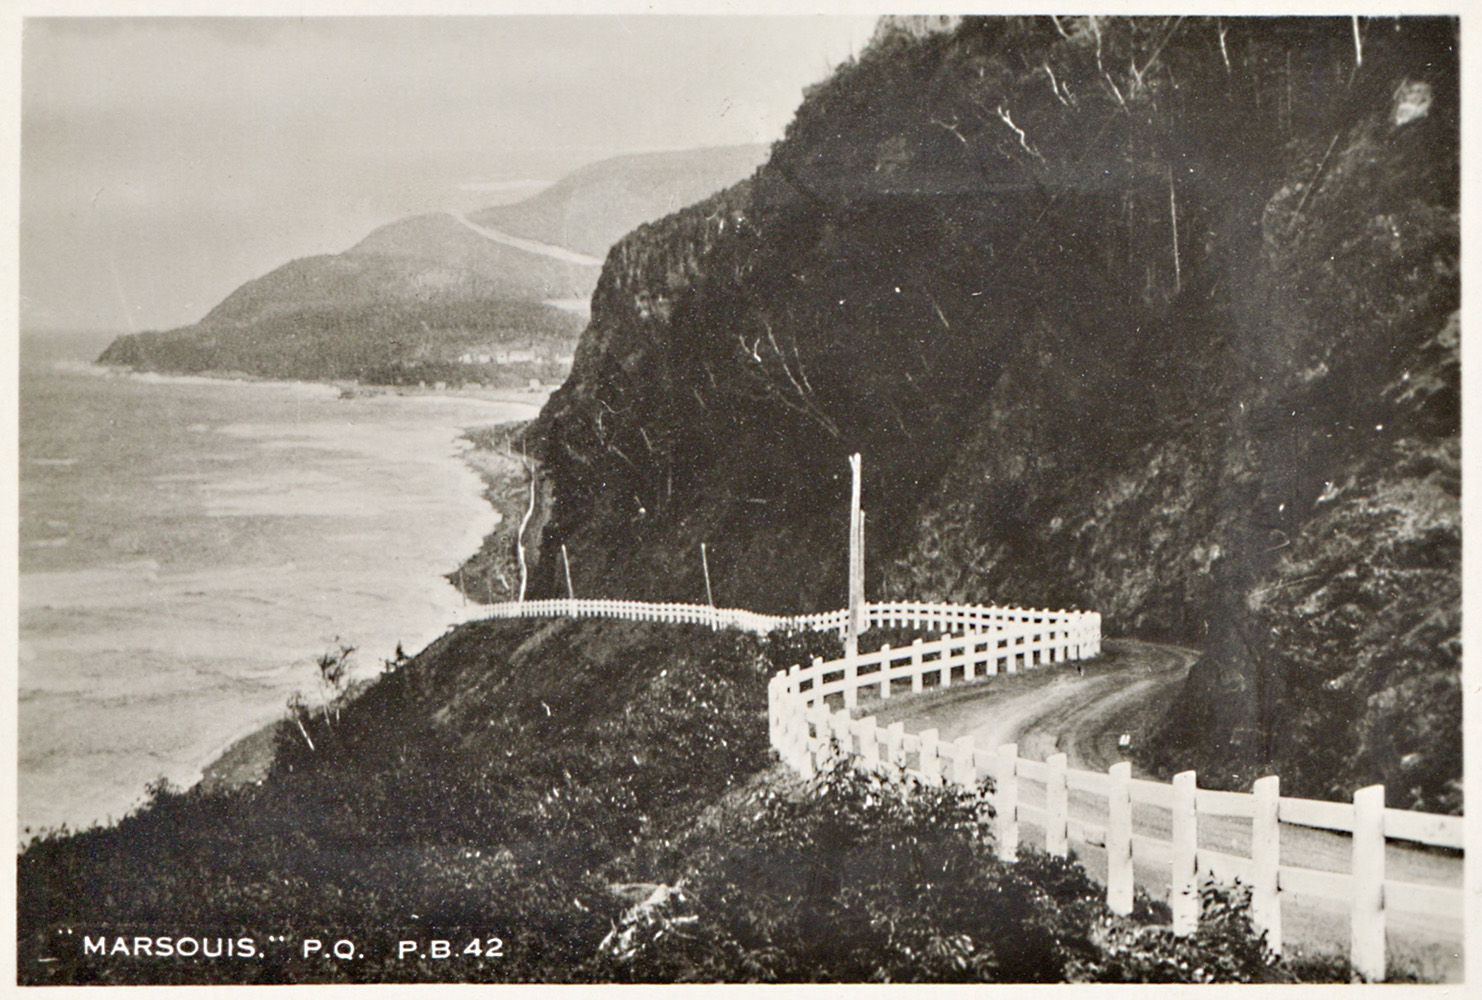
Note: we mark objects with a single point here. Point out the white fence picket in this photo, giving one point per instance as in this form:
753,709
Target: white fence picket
1367,952
1057,807
1119,839
1183,889
1006,801
1265,854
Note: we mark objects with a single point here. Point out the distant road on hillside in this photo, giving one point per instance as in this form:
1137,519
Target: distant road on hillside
529,246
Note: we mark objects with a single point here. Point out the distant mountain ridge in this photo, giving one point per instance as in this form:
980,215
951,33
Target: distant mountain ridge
416,295
594,207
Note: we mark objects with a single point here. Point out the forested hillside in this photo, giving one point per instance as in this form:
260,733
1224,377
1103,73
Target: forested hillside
430,298
1155,316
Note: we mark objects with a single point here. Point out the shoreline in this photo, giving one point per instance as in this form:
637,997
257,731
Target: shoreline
246,754
347,388
247,757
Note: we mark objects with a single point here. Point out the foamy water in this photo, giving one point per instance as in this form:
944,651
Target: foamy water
188,546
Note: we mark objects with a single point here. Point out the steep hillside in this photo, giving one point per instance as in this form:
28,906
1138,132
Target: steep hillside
417,295
1153,316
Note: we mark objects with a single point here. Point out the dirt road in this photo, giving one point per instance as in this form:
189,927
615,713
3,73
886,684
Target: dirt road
529,246
1127,691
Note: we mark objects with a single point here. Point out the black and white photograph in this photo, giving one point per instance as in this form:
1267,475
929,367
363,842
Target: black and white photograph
719,496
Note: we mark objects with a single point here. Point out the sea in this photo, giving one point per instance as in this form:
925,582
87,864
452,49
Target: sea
188,546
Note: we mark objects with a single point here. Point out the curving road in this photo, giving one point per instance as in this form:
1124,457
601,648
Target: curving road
1128,691
550,250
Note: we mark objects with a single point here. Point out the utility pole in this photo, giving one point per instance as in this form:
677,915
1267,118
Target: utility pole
857,615
705,564
566,560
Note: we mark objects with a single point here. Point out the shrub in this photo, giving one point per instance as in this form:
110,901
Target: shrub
859,877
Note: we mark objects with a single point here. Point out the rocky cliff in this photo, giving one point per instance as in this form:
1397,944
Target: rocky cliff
1152,316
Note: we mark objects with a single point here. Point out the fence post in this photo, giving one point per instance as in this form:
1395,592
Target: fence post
851,675
824,720
885,671
930,764
1006,801
1183,890
802,750
838,723
895,744
773,720
1367,952
870,742
797,726
1265,855
1057,808
1119,839
915,666
964,770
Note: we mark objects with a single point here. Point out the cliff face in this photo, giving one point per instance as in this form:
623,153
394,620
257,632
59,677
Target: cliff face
1151,316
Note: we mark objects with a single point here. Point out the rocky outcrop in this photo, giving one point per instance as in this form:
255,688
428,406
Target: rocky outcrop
1153,316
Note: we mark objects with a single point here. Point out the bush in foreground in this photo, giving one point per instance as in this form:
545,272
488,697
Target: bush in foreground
862,877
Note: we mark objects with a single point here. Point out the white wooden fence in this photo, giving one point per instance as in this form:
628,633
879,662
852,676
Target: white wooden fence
921,615
805,728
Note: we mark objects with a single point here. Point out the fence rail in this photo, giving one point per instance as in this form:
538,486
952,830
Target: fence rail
923,615
805,728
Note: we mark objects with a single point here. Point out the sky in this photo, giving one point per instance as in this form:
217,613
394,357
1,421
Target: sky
165,161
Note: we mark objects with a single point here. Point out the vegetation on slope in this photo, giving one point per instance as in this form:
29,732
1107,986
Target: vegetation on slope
1092,358
596,795
382,343
405,303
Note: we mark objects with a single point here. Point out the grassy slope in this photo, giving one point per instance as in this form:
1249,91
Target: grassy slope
531,781
495,783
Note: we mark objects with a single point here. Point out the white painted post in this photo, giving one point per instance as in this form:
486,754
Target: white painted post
792,701
1265,854
1183,890
1119,839
869,738
931,764
839,722
802,751
895,743
885,671
1367,951
774,728
1057,808
851,675
856,560
946,671
1006,801
915,666
964,771
821,747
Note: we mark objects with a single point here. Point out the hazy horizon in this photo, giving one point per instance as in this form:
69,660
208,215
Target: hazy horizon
165,161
